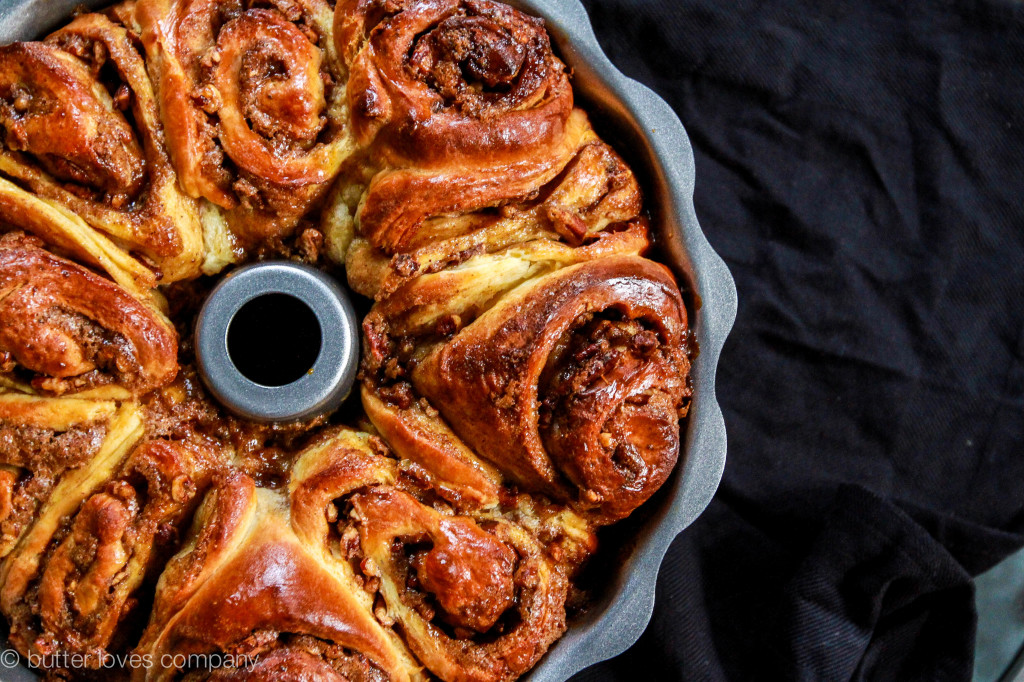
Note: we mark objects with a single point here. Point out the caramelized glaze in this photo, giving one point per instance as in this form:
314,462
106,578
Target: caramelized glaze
525,367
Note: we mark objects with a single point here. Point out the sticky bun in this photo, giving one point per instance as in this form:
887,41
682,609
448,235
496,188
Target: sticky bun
73,329
251,95
84,161
570,382
525,367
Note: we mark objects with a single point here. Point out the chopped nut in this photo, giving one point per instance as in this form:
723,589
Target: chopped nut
182,488
380,611
369,567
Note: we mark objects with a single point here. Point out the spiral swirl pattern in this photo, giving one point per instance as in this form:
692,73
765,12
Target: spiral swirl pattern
73,329
462,103
474,597
572,382
84,575
40,440
251,96
82,132
525,367
252,581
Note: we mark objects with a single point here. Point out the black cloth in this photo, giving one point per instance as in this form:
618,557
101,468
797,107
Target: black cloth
860,167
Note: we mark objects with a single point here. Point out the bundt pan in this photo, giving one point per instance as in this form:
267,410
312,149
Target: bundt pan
646,130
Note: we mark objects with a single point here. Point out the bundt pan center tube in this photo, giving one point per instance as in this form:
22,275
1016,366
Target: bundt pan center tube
260,341
646,129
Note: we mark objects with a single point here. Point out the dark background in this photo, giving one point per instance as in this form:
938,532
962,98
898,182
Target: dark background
860,167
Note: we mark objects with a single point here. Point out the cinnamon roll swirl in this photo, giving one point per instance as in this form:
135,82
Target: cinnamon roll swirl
525,368
462,104
473,597
81,132
40,440
71,329
246,586
592,209
70,585
571,382
252,97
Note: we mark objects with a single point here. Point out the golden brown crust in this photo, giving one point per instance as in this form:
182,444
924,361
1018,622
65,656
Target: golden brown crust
216,525
100,555
74,329
524,373
462,101
252,582
459,476
41,439
571,383
271,585
95,148
590,210
21,571
473,597
474,604
442,302
251,97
